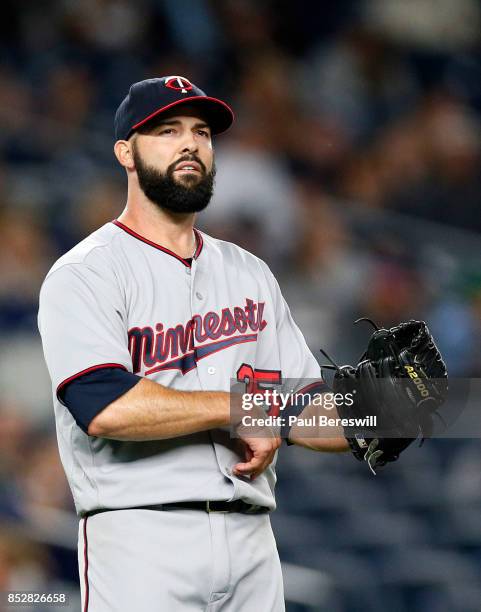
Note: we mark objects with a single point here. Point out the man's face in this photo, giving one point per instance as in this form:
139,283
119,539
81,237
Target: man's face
174,161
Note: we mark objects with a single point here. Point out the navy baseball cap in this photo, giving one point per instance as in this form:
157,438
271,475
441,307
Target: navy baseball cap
147,99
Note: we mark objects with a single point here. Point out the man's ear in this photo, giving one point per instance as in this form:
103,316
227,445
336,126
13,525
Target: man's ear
123,152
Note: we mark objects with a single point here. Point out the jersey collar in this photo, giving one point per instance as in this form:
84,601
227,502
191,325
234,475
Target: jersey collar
198,238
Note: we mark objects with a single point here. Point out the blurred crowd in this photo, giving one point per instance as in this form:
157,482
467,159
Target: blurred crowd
352,169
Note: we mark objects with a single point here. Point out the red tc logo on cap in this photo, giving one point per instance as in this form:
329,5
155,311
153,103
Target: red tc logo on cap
178,83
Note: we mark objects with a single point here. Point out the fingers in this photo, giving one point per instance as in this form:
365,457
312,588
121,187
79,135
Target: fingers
254,467
259,455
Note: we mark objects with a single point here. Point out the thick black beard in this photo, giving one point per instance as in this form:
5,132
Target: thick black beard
167,193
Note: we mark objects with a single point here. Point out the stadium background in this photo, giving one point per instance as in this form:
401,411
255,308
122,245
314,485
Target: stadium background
352,169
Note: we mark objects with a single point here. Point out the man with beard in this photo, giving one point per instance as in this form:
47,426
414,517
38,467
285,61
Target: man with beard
144,324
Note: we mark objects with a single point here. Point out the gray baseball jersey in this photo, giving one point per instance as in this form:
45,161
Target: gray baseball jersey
119,300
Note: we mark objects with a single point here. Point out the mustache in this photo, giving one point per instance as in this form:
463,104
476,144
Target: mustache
187,158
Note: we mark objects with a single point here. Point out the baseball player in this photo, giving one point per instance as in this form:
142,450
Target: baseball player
144,324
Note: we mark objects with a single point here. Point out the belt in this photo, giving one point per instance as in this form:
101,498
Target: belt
216,506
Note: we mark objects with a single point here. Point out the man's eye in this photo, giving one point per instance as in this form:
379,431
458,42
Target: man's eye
166,131
204,133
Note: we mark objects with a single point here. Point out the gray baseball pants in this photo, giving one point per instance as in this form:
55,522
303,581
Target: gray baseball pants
178,561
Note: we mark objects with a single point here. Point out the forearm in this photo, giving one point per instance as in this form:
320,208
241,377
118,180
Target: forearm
317,437
329,445
150,411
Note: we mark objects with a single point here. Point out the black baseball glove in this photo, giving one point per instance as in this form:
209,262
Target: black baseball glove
401,380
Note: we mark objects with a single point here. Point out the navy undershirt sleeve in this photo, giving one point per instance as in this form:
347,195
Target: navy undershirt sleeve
89,394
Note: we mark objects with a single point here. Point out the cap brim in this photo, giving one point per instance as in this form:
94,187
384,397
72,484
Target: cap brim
218,114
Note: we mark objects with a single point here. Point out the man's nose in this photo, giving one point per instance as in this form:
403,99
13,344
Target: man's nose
189,143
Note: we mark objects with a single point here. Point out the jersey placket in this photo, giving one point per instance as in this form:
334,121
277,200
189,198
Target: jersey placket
209,377
198,301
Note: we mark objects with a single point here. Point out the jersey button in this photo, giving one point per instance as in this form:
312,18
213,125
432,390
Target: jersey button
199,295
210,370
